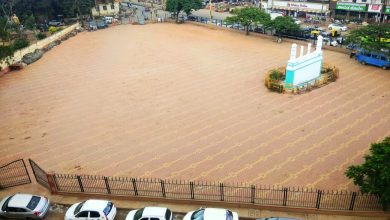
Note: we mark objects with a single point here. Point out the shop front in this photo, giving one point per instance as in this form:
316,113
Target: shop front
351,11
300,9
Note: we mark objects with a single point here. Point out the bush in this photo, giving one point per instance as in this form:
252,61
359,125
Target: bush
41,36
53,30
5,51
275,74
20,43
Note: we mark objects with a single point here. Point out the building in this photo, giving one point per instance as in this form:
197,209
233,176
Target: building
105,8
300,8
362,10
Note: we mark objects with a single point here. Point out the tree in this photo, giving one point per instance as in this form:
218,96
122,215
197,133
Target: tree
373,176
283,24
29,23
71,8
248,16
177,6
373,37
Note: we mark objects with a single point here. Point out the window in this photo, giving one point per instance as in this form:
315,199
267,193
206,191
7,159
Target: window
168,214
105,7
229,215
108,208
82,214
138,213
33,202
198,215
383,58
154,218
112,6
94,214
6,203
77,209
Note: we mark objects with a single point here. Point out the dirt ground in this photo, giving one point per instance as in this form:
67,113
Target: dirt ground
186,102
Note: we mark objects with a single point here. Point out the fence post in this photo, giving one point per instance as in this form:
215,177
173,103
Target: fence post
221,191
285,192
192,190
163,188
319,195
107,185
352,204
52,183
253,194
80,183
134,181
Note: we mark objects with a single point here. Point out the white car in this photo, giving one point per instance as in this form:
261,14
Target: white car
211,214
337,27
24,206
296,21
91,209
150,213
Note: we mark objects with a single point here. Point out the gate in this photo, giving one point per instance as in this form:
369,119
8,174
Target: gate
14,174
40,174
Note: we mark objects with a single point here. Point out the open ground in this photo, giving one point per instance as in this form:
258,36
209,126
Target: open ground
186,102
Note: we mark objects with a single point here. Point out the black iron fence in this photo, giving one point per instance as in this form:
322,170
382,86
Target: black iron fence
14,174
40,174
205,191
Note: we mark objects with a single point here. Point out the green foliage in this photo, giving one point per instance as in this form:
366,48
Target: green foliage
248,16
53,29
177,6
29,23
20,43
4,29
373,176
374,37
71,8
5,51
275,74
283,24
41,36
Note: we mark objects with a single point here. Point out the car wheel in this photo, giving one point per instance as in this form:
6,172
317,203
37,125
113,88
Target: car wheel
384,67
364,63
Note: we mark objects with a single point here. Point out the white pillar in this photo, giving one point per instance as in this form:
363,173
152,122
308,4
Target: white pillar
319,43
309,48
301,53
293,54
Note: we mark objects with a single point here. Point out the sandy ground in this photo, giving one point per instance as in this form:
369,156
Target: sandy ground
185,102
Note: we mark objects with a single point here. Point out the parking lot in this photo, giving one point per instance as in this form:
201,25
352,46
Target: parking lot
186,102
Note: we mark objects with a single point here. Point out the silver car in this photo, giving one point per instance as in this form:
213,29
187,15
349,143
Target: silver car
24,206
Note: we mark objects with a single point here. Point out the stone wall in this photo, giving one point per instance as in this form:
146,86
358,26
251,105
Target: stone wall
18,55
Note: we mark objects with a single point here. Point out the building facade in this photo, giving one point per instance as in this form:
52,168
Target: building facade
300,8
362,10
105,8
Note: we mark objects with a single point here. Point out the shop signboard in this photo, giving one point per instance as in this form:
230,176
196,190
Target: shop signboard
375,8
387,10
351,6
291,5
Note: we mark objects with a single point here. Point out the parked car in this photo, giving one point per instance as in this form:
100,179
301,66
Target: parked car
211,214
338,27
24,206
91,209
152,213
101,24
296,21
373,58
56,23
92,25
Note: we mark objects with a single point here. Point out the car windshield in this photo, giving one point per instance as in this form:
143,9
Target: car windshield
229,215
78,207
108,208
138,213
5,204
198,215
33,202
